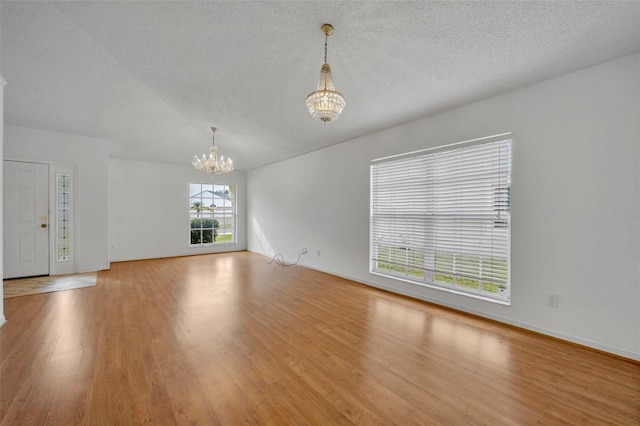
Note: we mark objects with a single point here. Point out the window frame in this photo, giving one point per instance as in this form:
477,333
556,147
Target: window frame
232,191
63,216
58,266
425,275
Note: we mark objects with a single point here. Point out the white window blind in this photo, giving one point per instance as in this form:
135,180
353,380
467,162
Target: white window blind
443,218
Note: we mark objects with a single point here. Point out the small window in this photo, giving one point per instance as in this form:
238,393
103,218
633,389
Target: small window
443,218
63,217
212,210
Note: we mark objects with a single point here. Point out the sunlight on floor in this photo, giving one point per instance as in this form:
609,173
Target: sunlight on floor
36,285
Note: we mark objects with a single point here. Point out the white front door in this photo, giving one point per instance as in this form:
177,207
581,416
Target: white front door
26,219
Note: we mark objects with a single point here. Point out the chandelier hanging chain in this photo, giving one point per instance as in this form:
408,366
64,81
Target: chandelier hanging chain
326,38
213,138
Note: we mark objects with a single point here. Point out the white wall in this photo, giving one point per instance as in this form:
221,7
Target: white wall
575,203
149,209
2,84
90,156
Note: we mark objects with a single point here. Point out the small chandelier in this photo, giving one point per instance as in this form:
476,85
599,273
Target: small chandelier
325,104
213,164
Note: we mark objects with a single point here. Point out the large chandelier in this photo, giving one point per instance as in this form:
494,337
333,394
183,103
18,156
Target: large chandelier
325,104
213,164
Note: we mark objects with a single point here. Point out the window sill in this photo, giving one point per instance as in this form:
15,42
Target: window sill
442,288
194,246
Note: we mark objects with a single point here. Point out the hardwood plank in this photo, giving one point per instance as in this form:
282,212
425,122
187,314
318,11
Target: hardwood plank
230,339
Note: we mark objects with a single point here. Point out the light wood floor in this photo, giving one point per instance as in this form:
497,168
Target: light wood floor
229,339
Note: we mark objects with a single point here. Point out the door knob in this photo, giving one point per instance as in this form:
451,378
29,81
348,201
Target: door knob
44,225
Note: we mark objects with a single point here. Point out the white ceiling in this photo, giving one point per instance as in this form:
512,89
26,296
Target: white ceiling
154,76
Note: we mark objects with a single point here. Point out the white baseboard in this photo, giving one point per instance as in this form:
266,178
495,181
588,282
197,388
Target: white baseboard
2,320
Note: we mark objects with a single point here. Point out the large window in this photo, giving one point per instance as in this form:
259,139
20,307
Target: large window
442,217
212,210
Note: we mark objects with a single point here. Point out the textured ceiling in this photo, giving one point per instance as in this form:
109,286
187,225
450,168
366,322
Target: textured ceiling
154,76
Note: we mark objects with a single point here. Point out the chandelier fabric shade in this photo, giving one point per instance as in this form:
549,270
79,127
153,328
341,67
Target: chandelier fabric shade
212,164
325,104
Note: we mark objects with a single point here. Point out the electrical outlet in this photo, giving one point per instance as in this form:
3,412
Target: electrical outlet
304,251
318,253
552,300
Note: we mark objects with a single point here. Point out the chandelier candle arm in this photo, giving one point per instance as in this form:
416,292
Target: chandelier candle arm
325,104
213,164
